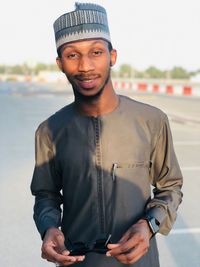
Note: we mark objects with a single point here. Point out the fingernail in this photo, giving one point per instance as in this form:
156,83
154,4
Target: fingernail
65,253
108,254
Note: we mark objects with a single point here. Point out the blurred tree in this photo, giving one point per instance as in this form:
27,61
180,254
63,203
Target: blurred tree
179,73
167,74
153,72
114,73
139,74
125,71
26,69
193,73
53,67
17,69
2,69
39,67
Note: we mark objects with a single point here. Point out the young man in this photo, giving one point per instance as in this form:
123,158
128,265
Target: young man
98,157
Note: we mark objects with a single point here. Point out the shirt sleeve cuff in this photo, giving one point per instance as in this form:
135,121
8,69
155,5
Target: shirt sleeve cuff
158,213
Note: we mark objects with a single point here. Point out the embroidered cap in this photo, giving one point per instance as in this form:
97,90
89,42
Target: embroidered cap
87,21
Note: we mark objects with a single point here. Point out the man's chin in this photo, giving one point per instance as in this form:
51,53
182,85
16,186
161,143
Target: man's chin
88,95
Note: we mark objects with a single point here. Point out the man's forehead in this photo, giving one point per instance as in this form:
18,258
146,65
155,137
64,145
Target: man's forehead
84,43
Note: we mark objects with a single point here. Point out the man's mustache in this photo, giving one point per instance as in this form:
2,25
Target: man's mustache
83,77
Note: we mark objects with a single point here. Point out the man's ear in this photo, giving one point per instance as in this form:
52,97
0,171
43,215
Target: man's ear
113,57
59,63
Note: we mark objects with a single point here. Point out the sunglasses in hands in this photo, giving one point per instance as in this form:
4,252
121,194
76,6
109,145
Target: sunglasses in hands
81,248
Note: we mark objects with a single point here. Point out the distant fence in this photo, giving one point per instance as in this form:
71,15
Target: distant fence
159,87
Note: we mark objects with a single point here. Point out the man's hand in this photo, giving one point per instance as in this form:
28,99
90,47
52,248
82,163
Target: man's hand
54,250
133,244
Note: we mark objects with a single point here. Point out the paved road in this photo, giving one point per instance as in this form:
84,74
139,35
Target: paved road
19,241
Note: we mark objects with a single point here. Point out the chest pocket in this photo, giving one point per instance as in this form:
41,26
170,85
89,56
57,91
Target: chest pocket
131,171
132,185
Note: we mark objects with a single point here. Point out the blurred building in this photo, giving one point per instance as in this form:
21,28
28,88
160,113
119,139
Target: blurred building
50,77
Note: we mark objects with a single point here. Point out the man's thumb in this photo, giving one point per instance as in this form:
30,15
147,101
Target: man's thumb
60,244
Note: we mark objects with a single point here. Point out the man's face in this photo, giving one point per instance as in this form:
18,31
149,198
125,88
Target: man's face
87,65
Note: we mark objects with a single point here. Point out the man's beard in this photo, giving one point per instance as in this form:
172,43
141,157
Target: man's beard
90,98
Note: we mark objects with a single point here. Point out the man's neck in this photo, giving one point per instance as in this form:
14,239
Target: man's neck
105,103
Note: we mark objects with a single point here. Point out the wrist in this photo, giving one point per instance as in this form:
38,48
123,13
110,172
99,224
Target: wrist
146,225
152,223
50,230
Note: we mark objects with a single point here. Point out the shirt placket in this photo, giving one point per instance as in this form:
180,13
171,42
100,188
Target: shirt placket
99,171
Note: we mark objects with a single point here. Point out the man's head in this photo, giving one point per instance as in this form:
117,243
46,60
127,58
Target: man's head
87,21
85,52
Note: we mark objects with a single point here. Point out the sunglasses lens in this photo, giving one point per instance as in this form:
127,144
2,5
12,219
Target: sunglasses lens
100,247
78,249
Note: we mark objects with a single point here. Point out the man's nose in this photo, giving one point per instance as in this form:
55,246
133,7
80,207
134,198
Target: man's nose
86,64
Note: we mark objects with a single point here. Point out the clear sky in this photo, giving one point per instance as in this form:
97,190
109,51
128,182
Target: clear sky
163,33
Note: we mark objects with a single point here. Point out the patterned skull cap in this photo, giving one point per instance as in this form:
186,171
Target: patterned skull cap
87,21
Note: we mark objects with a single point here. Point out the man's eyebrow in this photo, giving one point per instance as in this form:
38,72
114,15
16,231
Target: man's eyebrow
75,46
67,46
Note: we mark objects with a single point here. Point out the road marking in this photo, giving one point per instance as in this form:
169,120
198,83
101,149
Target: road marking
183,120
185,231
191,168
182,143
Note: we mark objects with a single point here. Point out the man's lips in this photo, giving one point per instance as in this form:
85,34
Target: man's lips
87,82
82,77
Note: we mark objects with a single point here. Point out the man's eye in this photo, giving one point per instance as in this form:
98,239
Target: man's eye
72,56
97,52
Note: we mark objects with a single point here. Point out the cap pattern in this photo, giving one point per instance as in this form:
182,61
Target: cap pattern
88,21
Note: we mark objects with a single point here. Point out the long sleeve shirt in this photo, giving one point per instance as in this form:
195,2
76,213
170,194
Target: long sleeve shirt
94,175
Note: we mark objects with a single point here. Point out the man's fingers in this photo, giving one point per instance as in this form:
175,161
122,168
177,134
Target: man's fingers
130,251
60,245
122,248
51,254
69,262
54,250
125,237
80,258
111,246
131,257
65,252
